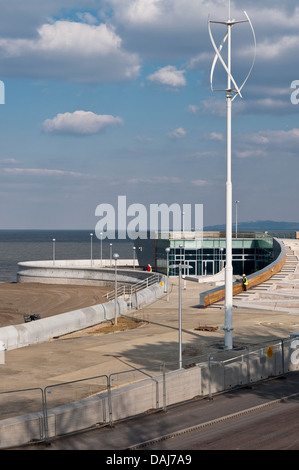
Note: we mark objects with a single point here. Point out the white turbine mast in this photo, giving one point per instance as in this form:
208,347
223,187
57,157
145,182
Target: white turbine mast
232,91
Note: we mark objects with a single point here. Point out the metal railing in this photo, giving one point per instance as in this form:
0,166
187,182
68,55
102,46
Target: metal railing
127,291
199,235
62,408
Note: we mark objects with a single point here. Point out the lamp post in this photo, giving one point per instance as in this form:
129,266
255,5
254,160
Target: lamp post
110,254
53,250
167,272
115,257
236,202
134,251
101,248
91,235
231,92
182,261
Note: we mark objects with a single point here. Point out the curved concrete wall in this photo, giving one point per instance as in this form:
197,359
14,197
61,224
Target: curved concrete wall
76,272
213,295
18,336
37,331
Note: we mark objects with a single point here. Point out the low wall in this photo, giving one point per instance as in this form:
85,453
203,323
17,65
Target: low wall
155,393
79,272
214,295
19,336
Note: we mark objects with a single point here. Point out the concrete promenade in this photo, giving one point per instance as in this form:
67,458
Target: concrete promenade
72,358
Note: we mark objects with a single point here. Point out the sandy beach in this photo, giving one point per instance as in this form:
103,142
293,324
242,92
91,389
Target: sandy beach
17,300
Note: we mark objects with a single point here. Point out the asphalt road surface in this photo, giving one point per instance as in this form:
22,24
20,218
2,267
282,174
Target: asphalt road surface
262,417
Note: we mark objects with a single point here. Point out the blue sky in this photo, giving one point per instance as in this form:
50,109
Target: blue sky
105,98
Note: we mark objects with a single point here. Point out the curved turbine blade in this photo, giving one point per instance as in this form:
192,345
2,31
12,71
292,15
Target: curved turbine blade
222,61
215,60
254,55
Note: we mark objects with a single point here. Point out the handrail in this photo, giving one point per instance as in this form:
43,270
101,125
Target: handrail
130,290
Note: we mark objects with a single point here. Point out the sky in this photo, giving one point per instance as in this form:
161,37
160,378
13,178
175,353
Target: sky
109,98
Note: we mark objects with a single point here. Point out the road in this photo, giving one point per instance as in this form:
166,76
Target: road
262,417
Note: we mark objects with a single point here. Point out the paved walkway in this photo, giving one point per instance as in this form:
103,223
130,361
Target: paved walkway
66,359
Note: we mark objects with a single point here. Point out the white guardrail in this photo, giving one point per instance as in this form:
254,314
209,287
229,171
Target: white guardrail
127,291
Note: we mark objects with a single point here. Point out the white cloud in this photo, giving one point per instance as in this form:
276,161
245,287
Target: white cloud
143,138
154,180
200,183
8,160
80,122
250,153
87,18
45,172
169,76
198,155
143,11
218,136
192,109
177,133
271,137
71,51
274,144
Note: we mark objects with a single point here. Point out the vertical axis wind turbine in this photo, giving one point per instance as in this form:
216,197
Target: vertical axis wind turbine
232,91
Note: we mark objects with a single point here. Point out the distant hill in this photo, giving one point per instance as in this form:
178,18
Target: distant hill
259,226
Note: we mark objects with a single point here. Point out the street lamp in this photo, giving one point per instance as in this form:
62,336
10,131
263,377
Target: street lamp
221,259
134,251
101,248
167,267
91,235
115,257
110,254
182,261
53,250
236,202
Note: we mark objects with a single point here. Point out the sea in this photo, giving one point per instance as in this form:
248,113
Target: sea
32,245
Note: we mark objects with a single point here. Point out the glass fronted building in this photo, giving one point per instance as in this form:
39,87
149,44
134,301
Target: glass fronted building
206,254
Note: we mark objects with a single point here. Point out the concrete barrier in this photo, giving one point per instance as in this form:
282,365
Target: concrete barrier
18,336
76,272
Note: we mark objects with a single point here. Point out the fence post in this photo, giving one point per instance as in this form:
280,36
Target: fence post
164,388
109,401
282,354
248,368
209,363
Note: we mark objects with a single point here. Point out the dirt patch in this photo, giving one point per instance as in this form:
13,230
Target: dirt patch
45,300
123,323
